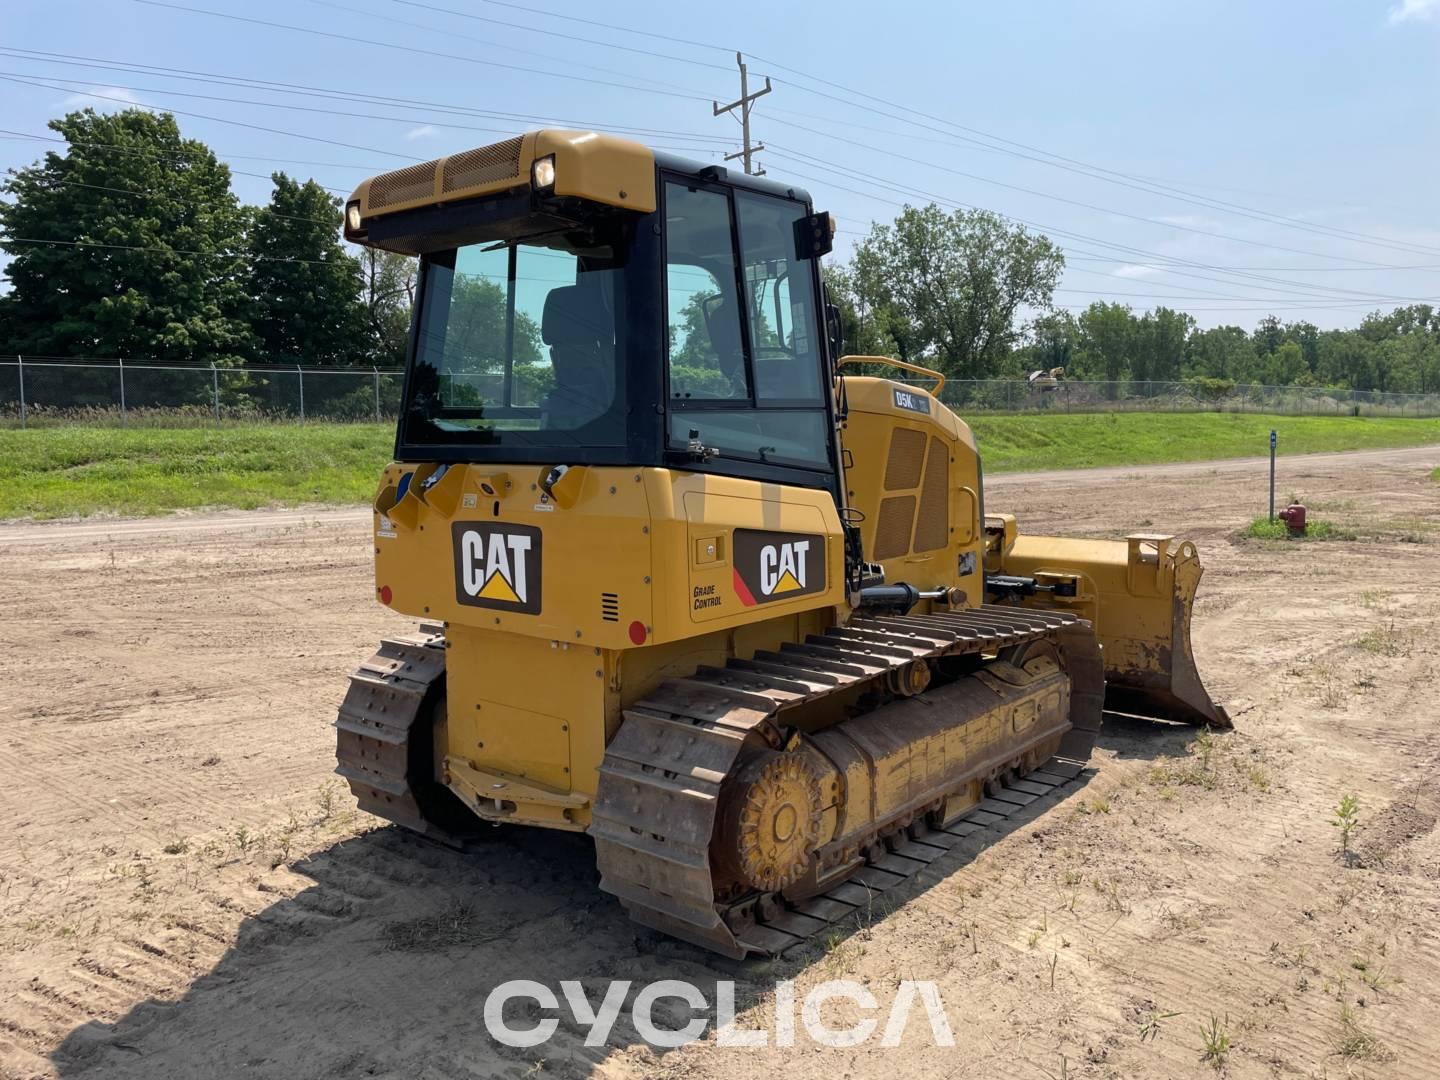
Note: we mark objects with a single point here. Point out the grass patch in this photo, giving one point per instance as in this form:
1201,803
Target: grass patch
81,471
1059,441
1265,529
85,470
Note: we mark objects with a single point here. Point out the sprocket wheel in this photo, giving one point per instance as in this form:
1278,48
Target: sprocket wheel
774,820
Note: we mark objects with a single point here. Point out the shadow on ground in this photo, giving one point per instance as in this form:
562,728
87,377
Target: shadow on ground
382,966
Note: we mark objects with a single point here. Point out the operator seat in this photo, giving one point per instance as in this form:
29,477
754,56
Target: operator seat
578,327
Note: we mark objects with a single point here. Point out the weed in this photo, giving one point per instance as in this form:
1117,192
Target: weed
1216,1041
456,924
1034,940
1110,890
243,839
1071,877
1373,977
1385,641
1098,805
176,847
1258,778
1355,1042
1347,820
1150,1026
325,798
1372,598
1204,746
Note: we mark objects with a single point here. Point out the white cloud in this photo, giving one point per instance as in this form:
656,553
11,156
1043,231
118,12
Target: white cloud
424,131
1414,9
1134,270
101,97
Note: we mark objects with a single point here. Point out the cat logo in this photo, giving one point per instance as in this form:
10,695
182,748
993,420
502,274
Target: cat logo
771,566
497,566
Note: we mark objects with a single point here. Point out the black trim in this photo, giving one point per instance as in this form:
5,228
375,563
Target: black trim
645,368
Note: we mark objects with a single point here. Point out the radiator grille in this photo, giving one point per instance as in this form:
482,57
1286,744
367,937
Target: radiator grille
610,606
907,456
932,525
482,166
402,186
892,527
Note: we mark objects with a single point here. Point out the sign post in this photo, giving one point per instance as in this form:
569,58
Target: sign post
1272,474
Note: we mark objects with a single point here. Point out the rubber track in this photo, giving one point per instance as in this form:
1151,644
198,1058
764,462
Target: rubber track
660,780
386,697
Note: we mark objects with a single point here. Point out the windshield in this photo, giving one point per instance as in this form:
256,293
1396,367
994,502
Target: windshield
518,345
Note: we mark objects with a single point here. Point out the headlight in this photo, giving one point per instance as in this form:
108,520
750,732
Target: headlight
352,216
542,173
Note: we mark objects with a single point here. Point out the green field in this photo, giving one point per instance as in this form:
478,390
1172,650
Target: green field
79,471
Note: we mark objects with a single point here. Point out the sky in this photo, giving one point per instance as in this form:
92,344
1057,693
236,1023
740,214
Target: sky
1231,159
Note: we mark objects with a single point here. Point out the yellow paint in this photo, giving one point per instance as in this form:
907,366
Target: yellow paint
589,165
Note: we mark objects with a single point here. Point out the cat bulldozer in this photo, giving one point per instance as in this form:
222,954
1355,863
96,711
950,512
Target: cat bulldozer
692,583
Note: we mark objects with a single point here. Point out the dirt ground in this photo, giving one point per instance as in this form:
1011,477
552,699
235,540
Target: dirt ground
187,891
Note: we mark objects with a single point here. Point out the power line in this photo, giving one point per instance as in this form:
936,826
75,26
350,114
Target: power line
499,45
152,152
588,22
1084,168
1277,287
248,82
1027,151
1109,210
414,49
1214,204
216,119
163,250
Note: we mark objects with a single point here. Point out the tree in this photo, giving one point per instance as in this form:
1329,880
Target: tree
1108,339
1160,354
305,288
1054,341
140,248
953,284
1222,352
388,292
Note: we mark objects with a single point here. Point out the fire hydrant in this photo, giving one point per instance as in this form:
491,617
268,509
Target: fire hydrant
1294,518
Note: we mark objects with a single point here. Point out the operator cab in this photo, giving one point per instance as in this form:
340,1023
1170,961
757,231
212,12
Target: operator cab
562,318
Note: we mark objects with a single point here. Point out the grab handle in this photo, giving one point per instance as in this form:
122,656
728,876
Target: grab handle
903,364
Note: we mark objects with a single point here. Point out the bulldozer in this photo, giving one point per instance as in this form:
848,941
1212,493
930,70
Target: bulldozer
693,583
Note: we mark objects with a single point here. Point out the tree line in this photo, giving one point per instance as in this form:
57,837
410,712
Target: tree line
130,243
949,290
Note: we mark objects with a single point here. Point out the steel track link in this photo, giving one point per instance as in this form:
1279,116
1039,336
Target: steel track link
388,695
660,780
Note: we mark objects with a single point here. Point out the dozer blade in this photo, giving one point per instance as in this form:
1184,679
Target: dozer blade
1138,593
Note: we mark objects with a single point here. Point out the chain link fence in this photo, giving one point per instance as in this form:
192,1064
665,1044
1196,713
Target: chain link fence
969,396
48,392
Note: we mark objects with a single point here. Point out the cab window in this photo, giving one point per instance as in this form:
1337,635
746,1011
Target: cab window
744,361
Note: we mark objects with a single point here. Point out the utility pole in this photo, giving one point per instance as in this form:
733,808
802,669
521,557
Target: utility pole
744,104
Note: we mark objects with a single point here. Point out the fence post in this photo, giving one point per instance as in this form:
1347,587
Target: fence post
300,377
20,368
376,370
215,389
123,420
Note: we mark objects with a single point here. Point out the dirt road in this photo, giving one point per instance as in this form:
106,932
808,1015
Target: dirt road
187,892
